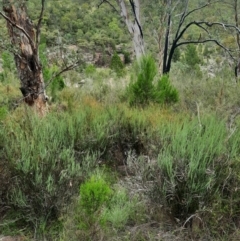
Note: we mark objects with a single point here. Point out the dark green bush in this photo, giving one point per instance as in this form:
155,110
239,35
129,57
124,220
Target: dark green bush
127,57
176,55
191,56
117,64
43,169
143,91
165,92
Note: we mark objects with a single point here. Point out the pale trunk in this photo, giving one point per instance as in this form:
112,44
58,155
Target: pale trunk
134,27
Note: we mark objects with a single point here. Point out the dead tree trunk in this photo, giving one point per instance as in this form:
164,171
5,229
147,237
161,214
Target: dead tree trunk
25,39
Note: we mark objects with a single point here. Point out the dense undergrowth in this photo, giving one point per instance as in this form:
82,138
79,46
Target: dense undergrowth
96,168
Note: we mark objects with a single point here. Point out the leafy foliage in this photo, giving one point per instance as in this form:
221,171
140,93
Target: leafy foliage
191,56
190,156
194,168
165,92
3,112
38,167
119,209
143,91
8,61
176,55
7,65
93,194
57,83
117,64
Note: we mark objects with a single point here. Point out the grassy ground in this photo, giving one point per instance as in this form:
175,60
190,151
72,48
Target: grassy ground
97,169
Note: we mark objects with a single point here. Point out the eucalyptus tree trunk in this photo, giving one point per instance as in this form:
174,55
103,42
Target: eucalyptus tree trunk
25,39
134,26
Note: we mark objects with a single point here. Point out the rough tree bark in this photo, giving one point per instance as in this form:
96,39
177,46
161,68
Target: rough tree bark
25,40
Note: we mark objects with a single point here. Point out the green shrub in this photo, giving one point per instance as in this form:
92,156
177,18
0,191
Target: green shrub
8,61
143,91
8,66
191,56
194,170
101,209
193,60
119,209
57,83
165,92
90,70
177,55
41,158
127,57
93,194
117,64
3,112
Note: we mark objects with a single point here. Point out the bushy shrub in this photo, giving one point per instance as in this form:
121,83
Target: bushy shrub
90,70
176,55
101,208
8,61
191,56
143,91
93,194
194,171
165,92
127,57
8,66
119,209
43,163
117,64
3,112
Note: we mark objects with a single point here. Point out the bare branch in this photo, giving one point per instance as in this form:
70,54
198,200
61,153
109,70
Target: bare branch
196,9
208,24
174,7
38,28
20,28
224,25
204,29
67,68
185,15
106,1
205,41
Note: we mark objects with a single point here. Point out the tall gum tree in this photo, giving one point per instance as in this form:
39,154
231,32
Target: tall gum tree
25,37
132,22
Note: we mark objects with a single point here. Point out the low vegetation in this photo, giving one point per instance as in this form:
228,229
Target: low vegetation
124,153
144,158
